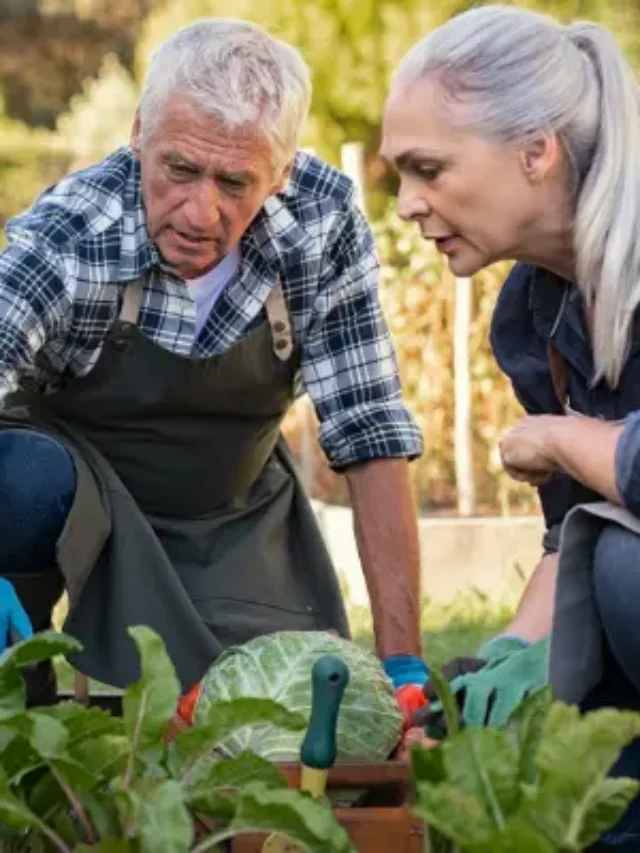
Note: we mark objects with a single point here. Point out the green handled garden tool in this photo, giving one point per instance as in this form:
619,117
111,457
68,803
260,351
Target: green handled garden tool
329,677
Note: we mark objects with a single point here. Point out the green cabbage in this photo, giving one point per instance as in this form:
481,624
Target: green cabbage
278,667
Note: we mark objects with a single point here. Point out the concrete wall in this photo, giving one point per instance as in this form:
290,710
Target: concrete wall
494,555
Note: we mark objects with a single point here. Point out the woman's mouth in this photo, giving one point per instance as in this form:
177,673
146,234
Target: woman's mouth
445,244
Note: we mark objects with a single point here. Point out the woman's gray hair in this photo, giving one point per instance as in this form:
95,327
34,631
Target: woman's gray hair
513,74
236,71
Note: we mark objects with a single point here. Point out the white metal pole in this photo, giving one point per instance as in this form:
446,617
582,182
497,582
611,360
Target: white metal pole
463,436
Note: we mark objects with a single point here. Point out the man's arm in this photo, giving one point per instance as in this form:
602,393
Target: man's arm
367,432
387,535
33,307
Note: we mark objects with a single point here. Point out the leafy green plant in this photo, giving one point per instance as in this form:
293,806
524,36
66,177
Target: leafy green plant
538,784
76,779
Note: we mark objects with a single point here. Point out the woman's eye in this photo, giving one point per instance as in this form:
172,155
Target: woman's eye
428,173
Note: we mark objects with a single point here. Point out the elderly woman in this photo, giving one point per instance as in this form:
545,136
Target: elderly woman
516,137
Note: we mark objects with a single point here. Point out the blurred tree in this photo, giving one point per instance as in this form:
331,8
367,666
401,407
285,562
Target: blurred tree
30,160
99,118
49,48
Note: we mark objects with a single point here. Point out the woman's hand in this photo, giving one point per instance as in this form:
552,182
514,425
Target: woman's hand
528,450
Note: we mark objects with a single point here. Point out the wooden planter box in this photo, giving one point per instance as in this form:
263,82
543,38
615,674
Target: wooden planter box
379,821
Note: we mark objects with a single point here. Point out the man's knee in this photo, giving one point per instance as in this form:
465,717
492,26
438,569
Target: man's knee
37,487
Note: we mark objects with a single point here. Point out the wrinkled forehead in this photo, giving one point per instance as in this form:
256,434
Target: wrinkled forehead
200,136
416,116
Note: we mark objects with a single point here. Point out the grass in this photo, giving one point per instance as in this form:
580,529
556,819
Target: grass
448,630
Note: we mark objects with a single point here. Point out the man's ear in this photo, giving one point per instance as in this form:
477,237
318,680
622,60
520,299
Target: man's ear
135,135
282,181
540,157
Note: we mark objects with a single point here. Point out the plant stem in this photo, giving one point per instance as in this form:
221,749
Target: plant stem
76,805
212,842
128,776
494,806
54,838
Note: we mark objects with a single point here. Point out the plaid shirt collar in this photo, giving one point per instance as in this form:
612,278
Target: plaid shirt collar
272,236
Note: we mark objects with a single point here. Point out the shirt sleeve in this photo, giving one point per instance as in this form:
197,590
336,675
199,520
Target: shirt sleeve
349,365
627,462
33,305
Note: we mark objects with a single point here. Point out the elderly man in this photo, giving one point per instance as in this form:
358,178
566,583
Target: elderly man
159,313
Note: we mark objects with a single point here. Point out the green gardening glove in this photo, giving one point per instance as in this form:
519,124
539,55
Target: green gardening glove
487,696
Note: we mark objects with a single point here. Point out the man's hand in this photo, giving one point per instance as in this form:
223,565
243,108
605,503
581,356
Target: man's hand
491,685
527,450
409,676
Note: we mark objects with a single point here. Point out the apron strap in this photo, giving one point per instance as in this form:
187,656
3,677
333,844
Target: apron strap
132,301
557,365
559,375
280,323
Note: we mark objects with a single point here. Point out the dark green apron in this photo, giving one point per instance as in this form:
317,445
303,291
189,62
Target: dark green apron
189,516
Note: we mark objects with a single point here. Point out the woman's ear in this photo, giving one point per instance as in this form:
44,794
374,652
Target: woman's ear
540,157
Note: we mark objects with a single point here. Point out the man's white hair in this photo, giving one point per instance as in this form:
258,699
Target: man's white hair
236,71
510,74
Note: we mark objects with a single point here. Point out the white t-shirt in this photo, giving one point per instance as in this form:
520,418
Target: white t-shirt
206,290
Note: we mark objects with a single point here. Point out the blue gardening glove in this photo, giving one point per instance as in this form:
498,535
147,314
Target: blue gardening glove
15,625
408,675
492,684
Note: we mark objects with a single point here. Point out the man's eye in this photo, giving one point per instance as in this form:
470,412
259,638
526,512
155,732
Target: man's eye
181,172
232,184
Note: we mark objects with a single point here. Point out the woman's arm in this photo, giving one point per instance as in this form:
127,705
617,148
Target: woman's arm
584,448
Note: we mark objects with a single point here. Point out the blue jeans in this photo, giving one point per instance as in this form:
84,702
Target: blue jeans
37,487
616,578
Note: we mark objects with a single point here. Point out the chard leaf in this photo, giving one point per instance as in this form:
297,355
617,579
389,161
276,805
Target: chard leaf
13,694
84,723
13,811
562,816
102,813
447,700
46,736
290,813
524,730
576,751
149,704
18,759
427,765
454,813
164,824
223,719
516,837
234,773
107,845
40,647
214,805
482,764
106,755
603,807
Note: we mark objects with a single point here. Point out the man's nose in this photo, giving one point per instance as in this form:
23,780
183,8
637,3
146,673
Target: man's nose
411,203
202,209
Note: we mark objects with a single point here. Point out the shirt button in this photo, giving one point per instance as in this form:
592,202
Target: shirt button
281,343
279,327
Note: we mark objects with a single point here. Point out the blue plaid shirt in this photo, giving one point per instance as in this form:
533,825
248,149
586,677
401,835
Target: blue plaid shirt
533,308
70,255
